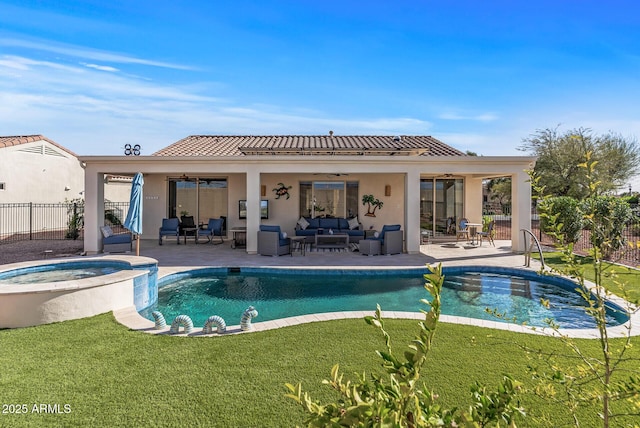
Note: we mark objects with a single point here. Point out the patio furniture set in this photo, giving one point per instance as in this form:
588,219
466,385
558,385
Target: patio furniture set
186,227
273,242
315,234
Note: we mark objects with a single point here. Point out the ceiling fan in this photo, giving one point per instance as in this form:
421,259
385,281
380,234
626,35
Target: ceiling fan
337,174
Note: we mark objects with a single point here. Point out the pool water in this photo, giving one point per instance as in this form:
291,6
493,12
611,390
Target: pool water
274,295
59,272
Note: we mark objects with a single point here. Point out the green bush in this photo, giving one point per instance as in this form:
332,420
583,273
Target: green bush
565,211
607,221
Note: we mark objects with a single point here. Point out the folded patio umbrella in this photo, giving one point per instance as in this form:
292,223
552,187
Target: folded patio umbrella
133,222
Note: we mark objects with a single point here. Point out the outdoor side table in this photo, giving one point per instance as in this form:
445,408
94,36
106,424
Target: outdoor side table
239,237
298,243
369,247
189,230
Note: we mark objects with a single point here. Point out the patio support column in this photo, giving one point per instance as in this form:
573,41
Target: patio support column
412,211
93,211
473,199
520,209
253,210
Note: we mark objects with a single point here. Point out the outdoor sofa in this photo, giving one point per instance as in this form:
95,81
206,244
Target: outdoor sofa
338,225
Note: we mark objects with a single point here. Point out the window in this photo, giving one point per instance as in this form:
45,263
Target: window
1,186
329,198
242,209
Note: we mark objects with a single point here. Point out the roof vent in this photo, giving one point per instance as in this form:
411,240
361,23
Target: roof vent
397,138
330,133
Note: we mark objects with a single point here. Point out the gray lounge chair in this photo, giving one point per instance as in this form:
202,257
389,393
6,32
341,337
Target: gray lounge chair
271,241
391,239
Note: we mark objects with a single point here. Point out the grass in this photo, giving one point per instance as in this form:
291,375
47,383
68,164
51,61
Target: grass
628,277
110,376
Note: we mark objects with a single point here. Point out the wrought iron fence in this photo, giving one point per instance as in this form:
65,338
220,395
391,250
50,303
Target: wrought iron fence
36,221
629,255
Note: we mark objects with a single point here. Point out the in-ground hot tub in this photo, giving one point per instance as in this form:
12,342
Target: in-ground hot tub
42,292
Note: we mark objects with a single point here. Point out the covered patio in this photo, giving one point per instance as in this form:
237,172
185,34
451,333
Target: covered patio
233,176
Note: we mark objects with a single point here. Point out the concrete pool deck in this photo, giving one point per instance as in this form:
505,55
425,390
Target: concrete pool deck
174,258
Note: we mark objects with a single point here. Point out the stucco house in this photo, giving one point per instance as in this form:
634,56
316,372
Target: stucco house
421,181
34,168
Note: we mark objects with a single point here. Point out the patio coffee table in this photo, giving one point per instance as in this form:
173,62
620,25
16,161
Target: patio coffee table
335,240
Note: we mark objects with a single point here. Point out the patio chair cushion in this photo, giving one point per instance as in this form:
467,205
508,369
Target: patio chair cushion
388,228
329,223
303,223
269,228
353,223
106,231
282,237
123,238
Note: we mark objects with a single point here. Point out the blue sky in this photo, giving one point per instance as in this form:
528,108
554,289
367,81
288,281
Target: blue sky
479,75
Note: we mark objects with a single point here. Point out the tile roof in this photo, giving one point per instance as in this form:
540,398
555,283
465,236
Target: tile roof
244,145
16,140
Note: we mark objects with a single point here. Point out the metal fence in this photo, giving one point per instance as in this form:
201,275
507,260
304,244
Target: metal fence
35,221
629,255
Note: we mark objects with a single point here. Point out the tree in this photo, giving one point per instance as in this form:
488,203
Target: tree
560,154
500,190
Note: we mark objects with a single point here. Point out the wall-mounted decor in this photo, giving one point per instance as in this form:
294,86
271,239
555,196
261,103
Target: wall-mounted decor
282,190
387,190
371,202
242,209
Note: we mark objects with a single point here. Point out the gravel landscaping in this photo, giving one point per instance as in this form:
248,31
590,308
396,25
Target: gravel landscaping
21,251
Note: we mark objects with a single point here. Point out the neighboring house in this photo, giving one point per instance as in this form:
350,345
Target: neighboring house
34,168
422,182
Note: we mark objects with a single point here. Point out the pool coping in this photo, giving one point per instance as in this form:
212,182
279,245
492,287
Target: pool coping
130,318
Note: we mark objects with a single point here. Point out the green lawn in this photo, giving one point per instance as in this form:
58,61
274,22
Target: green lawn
110,376
629,277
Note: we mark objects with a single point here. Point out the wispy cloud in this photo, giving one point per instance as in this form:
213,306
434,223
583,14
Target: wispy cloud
100,67
483,117
87,53
95,112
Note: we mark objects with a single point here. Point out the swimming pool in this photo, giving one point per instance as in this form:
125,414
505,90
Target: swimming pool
281,293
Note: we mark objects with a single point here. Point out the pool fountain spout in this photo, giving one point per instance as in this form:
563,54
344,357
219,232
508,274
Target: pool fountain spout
245,321
160,322
218,322
184,321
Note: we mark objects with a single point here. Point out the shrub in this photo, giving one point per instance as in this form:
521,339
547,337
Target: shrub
607,218
565,211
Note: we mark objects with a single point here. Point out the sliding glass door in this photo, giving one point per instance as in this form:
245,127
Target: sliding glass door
202,198
441,205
